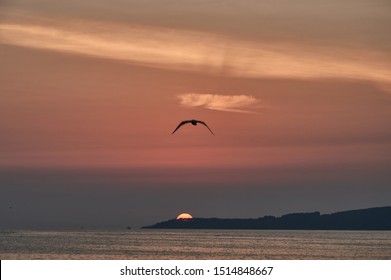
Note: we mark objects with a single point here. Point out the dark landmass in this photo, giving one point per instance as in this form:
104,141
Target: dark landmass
378,218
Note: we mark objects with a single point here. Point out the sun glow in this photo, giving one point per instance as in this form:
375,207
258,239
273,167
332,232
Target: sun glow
184,216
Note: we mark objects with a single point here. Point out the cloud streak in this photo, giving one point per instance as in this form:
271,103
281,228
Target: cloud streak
199,51
231,103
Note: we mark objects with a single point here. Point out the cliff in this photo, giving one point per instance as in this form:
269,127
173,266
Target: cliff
378,218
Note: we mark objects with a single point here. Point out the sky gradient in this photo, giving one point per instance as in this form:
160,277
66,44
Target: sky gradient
298,95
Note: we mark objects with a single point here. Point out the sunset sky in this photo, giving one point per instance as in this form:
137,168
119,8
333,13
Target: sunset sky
298,94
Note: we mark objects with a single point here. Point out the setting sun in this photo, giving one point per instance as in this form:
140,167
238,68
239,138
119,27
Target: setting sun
184,216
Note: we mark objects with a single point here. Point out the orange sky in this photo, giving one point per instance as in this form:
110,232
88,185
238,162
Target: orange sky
286,88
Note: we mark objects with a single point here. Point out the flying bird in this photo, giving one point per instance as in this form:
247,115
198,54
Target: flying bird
193,122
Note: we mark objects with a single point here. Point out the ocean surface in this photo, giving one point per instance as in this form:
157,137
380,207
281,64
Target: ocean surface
195,244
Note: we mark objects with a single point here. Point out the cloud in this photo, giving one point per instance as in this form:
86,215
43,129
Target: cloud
232,103
199,51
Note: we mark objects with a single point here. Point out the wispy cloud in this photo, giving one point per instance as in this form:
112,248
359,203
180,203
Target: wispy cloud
232,103
199,51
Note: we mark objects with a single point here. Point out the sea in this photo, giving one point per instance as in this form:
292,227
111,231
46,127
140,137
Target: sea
195,245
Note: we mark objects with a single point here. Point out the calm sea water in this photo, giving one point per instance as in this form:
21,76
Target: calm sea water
195,244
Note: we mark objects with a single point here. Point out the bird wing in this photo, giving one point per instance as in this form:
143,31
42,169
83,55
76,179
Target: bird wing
179,125
201,122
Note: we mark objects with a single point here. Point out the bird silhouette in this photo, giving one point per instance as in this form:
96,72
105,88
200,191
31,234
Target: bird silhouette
193,122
